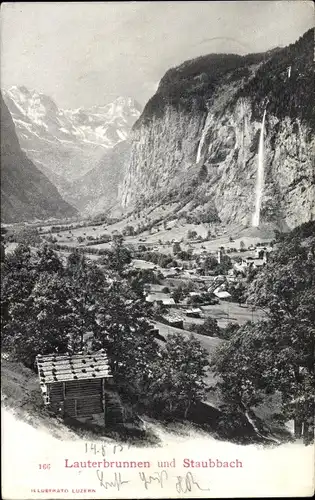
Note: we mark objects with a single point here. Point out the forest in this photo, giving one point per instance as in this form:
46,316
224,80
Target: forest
51,306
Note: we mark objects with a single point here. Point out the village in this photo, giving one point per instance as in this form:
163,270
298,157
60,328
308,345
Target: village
191,292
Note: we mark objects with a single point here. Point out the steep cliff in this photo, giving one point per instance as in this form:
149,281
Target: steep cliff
196,142
26,193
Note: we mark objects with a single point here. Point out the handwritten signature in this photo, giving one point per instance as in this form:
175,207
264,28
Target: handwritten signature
185,483
116,483
158,477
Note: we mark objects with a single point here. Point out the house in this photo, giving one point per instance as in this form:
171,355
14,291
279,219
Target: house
263,253
156,333
79,385
250,262
169,273
174,321
217,282
143,264
223,294
256,263
154,288
220,256
160,298
190,272
240,266
193,313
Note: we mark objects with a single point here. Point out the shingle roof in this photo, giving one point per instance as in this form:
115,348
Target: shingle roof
160,297
222,294
55,368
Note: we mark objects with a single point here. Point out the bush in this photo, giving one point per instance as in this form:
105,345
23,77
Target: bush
27,236
227,332
210,328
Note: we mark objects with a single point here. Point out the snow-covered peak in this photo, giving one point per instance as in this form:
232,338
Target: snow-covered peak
103,125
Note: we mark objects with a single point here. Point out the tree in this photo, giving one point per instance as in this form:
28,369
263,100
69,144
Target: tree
38,294
89,284
229,330
126,333
191,234
236,363
2,252
176,248
43,322
48,260
138,278
27,236
179,376
178,294
118,256
18,276
276,355
209,264
242,246
210,328
184,255
129,231
76,262
238,292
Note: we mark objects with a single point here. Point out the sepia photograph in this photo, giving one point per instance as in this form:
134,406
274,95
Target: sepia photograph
157,249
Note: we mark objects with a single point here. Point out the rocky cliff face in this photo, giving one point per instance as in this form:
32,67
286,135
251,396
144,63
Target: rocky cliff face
97,191
196,142
26,193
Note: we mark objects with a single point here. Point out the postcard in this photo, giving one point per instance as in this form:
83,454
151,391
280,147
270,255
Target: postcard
157,249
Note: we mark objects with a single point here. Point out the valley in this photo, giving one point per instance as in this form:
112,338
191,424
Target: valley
174,236
157,249
196,281
186,262
73,148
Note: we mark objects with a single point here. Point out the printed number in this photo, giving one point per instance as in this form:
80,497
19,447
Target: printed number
44,466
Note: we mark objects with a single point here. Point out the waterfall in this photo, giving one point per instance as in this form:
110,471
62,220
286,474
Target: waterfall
260,175
203,138
244,133
289,71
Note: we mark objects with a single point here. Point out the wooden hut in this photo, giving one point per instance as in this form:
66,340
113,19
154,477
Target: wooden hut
77,385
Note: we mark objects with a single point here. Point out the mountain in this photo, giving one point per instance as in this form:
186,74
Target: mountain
196,142
26,193
67,144
98,189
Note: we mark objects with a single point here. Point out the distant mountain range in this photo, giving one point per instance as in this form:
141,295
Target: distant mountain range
68,144
26,193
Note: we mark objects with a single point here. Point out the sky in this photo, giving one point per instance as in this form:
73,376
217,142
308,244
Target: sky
89,53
